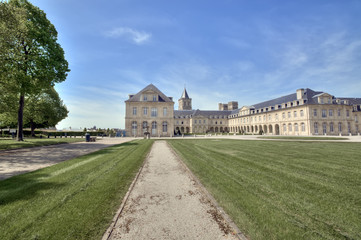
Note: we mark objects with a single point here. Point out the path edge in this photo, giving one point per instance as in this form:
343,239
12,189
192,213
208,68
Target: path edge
113,223
213,201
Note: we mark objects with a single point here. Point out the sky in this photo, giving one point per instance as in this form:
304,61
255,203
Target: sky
248,51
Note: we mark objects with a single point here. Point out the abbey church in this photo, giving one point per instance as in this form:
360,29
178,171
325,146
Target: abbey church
304,113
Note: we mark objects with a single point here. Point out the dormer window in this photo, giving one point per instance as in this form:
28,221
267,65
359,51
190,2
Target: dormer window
145,98
155,98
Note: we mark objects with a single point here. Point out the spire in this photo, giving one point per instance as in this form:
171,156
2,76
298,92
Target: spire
185,94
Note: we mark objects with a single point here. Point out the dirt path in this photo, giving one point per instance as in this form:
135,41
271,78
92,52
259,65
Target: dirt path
19,161
166,203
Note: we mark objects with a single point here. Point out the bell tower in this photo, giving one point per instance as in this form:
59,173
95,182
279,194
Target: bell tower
185,103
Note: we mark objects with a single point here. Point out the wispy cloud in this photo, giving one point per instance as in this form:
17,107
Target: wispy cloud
138,37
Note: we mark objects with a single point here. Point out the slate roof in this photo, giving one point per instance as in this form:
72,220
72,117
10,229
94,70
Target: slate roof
185,94
204,113
150,87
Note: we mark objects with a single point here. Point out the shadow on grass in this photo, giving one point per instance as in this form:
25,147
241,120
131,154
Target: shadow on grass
24,187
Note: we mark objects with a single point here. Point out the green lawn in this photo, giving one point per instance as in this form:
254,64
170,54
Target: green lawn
6,144
303,138
282,190
75,199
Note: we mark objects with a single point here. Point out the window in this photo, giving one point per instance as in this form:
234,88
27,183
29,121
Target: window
259,118
330,112
154,128
145,126
303,128
331,127
324,128
195,121
349,127
301,113
134,110
284,127
220,122
264,118
164,111
338,112
145,98
321,100
283,115
295,114
290,127
339,127
315,112
276,116
289,114
269,118
316,127
347,113
154,98
356,120
134,128
324,113
296,127
154,112
204,121
145,111
165,127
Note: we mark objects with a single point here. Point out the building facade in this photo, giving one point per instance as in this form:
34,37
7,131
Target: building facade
304,113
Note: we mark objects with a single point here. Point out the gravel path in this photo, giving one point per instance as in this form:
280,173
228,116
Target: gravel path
19,161
167,203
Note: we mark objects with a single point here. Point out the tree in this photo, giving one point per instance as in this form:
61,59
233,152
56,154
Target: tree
45,109
31,60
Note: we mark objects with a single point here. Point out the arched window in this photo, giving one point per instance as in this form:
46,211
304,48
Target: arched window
154,128
331,127
134,128
165,127
296,127
303,128
290,127
145,126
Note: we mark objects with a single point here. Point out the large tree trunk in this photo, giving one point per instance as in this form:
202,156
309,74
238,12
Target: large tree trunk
20,136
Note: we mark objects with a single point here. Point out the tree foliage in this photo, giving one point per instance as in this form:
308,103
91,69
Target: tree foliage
31,60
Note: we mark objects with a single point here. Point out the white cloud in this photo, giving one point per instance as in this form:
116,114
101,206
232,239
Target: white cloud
138,37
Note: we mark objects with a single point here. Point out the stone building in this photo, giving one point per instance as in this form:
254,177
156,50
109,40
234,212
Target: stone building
305,112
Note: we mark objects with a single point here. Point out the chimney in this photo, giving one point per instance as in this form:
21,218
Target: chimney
300,92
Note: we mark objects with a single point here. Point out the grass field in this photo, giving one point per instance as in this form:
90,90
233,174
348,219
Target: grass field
282,190
304,138
6,144
75,199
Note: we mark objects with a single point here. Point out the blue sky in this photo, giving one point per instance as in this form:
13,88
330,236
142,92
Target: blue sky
229,50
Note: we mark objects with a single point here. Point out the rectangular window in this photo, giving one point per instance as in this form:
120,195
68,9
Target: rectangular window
145,111
347,113
283,115
339,127
164,111
204,121
316,127
296,127
303,128
349,127
301,113
331,127
289,114
195,121
200,121
134,110
339,112
145,98
155,98
284,127
330,112
324,128
324,113
315,112
295,114
154,112
290,127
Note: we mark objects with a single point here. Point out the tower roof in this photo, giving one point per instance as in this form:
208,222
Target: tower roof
185,94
